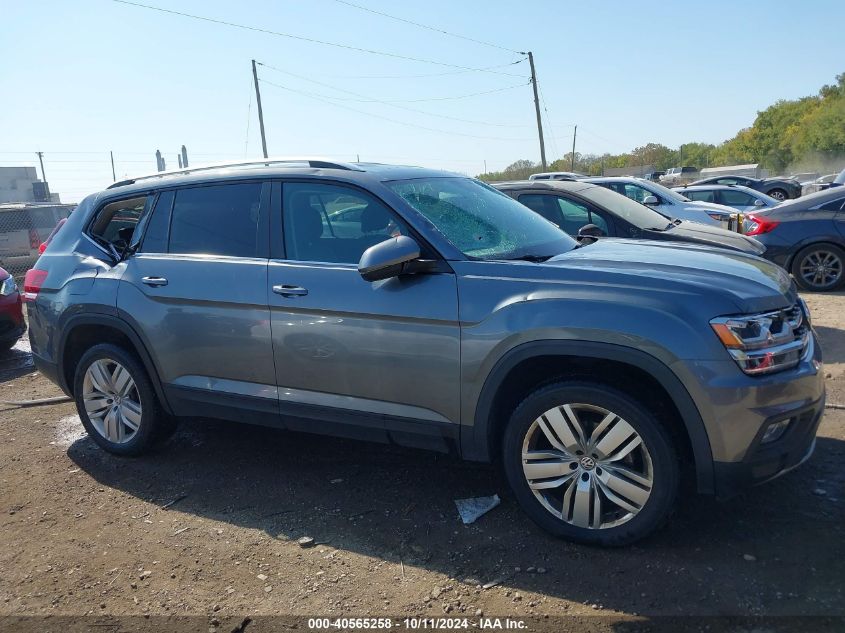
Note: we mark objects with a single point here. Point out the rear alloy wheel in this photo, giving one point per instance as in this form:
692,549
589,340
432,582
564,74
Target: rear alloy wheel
778,194
589,464
116,401
819,267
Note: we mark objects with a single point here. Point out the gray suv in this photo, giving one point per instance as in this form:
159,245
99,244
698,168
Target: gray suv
418,307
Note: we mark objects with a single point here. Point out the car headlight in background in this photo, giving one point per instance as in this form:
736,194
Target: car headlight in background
8,286
768,342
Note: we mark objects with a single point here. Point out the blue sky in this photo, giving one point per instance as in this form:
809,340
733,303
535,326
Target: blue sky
81,78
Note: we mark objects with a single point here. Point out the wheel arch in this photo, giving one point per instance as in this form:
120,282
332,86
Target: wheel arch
828,239
82,331
482,441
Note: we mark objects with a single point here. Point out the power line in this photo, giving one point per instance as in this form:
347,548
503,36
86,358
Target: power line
384,118
370,100
427,27
301,38
387,103
425,75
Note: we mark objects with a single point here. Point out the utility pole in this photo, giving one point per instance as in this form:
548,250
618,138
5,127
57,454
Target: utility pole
537,110
574,134
113,175
41,160
260,111
485,166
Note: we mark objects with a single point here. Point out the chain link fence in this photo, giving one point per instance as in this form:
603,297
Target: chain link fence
23,228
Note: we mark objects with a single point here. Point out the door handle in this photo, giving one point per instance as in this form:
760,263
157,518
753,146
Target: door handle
154,281
290,291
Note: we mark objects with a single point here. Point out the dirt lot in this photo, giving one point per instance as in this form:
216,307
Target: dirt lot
208,526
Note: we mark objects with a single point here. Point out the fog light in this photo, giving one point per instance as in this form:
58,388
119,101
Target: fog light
775,431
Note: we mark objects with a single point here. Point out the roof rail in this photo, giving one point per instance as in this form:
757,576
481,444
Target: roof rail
314,163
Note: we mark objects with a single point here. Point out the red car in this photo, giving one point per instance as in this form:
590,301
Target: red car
12,325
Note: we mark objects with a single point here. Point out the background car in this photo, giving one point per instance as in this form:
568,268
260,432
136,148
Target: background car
735,196
819,184
557,175
777,188
678,175
587,211
666,201
12,324
806,237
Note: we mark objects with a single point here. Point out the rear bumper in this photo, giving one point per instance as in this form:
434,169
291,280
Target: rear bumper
50,371
764,462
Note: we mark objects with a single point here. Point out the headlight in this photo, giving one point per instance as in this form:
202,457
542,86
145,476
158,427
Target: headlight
8,286
765,343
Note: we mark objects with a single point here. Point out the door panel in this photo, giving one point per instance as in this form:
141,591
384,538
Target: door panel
389,347
384,355
205,316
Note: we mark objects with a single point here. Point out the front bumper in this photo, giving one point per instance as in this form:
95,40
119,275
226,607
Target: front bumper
764,462
12,325
737,409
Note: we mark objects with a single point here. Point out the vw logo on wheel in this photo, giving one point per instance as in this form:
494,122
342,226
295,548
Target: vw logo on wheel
588,463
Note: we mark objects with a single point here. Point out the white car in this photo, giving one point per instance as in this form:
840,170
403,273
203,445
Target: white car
667,201
743,199
557,175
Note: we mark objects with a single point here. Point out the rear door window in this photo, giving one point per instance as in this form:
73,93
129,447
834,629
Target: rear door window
216,220
833,205
700,196
734,198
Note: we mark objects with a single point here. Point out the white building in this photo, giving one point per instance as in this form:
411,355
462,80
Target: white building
21,184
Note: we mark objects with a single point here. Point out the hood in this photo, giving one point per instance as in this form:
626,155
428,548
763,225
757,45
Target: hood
710,236
751,283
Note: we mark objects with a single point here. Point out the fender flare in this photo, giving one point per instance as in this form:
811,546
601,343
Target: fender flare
125,329
475,442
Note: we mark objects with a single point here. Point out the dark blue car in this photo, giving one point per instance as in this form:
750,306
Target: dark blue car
807,237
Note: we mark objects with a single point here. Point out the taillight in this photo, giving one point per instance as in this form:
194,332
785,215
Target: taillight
757,225
42,248
32,283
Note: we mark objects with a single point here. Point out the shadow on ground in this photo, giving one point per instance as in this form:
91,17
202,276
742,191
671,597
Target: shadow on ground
775,550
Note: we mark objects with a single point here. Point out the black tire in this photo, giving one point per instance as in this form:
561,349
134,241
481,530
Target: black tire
154,423
655,438
820,253
778,194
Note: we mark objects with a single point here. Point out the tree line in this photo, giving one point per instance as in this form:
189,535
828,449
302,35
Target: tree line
805,134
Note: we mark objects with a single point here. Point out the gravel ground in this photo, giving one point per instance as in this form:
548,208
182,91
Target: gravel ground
208,526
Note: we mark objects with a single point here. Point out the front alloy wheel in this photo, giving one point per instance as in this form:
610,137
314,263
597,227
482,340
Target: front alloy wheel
590,464
587,466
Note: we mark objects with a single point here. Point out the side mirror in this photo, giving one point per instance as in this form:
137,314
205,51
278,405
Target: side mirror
389,258
590,231
651,200
759,203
